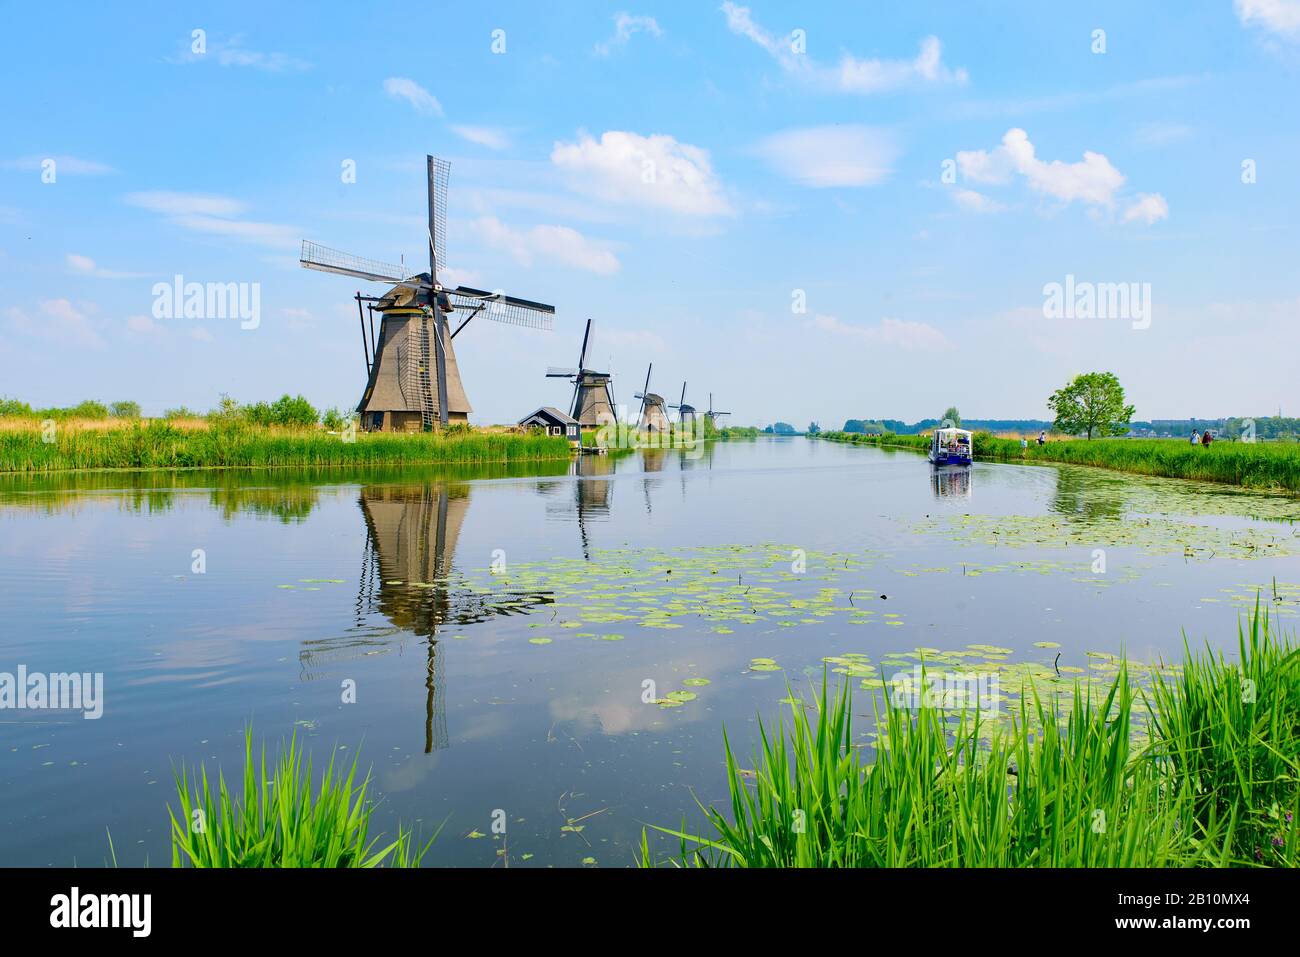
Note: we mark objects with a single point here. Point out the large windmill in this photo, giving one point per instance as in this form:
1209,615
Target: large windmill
593,403
653,418
412,379
685,413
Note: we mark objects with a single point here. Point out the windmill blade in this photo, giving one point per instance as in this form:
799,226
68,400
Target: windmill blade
645,391
439,173
682,401
582,356
555,372
316,256
502,308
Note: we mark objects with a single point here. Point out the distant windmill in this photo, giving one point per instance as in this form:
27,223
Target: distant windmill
412,376
685,413
653,418
711,416
593,403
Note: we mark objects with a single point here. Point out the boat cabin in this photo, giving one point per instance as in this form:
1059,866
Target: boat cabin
554,422
951,447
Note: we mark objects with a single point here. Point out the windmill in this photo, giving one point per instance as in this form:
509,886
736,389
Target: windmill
653,418
711,416
593,403
412,378
685,413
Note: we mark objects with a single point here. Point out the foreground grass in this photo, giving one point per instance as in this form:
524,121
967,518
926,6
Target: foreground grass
1272,465
161,444
280,822
1214,781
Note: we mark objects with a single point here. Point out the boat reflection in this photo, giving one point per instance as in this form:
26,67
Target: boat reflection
953,481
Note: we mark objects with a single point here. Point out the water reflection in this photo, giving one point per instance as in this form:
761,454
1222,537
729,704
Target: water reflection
408,577
951,482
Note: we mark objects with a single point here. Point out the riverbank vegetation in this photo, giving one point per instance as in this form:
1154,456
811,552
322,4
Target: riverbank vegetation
1209,780
1257,465
278,821
28,446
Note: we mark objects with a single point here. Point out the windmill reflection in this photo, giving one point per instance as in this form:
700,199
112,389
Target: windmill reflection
409,579
951,482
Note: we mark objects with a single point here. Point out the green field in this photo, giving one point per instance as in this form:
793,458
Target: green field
160,444
1260,465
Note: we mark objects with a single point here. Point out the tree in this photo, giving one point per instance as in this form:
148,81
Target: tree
953,416
1092,403
813,428
124,410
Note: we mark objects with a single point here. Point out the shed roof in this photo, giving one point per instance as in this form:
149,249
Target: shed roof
552,413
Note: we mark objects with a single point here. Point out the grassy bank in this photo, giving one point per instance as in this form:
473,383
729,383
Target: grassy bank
1211,781
160,444
1272,465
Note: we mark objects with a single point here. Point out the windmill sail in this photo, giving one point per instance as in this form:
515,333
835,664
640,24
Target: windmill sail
316,256
502,308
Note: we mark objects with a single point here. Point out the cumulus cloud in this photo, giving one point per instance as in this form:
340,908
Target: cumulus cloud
1276,16
557,244
625,26
1147,208
897,333
1092,181
975,202
653,171
401,88
850,75
823,156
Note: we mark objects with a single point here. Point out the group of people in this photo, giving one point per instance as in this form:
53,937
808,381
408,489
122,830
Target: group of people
1042,440
1204,438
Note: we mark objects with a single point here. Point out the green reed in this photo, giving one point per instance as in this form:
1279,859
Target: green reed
279,822
1211,782
159,444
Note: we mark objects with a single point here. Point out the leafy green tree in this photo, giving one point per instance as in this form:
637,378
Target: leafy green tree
953,416
124,410
1091,404
294,411
813,428
783,428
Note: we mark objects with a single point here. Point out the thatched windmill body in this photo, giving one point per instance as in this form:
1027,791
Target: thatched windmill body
593,401
412,379
653,417
711,416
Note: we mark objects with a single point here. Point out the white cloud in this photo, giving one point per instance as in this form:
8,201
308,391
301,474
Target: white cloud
60,322
87,267
1147,208
1276,16
143,325
625,25
63,165
851,75
421,99
823,156
492,138
889,332
214,215
655,171
558,244
1093,181
1161,134
975,202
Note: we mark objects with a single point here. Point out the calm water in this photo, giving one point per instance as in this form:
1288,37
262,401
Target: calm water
499,630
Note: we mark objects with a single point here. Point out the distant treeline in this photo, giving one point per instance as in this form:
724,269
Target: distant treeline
1266,427
292,411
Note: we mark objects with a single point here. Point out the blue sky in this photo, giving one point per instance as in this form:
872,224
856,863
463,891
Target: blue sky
686,174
